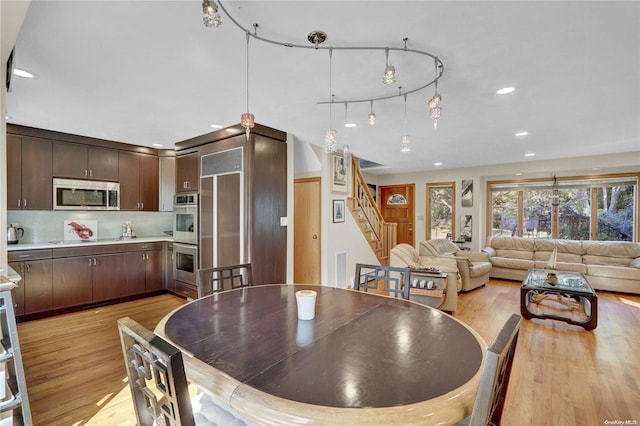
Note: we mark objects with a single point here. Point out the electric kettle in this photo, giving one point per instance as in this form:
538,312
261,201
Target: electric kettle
13,234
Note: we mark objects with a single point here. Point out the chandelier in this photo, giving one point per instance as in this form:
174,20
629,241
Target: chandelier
211,19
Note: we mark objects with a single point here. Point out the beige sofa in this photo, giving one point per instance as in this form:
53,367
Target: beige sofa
405,255
608,265
473,267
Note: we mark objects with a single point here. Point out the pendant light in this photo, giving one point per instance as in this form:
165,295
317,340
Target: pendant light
247,120
405,139
330,136
372,116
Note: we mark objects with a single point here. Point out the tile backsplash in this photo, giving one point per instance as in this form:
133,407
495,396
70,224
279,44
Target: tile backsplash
45,225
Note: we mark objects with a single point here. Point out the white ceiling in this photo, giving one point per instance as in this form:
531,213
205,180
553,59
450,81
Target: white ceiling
149,72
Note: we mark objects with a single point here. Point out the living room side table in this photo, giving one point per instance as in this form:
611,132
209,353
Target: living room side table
570,289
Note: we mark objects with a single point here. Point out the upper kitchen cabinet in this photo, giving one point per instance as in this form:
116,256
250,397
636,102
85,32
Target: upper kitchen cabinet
187,173
29,173
139,181
73,160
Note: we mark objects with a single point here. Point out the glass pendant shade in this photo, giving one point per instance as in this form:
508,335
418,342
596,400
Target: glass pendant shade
389,75
435,110
248,121
435,101
330,141
372,116
210,16
404,143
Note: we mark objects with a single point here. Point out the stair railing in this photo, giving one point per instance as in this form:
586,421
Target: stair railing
384,233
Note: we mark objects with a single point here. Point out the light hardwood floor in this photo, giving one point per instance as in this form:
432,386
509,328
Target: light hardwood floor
562,375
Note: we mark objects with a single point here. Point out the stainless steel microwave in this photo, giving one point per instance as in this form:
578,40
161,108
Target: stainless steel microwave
72,194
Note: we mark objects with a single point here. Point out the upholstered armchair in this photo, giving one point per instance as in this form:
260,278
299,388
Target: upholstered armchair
474,267
405,255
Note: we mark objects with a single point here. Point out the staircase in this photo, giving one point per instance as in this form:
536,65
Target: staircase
381,236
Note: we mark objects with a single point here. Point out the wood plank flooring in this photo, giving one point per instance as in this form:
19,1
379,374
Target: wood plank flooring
562,375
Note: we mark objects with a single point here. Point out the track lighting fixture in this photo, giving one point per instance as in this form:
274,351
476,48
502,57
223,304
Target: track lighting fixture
211,18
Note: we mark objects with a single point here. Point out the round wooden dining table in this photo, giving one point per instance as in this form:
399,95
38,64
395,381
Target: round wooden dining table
363,359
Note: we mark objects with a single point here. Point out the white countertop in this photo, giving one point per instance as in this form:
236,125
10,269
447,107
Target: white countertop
106,241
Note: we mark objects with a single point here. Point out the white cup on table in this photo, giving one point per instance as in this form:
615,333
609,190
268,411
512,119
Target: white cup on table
306,302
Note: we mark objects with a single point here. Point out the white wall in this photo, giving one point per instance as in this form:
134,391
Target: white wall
340,237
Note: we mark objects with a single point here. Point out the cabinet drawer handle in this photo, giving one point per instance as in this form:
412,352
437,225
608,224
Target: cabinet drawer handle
19,203
90,262
25,255
28,266
24,204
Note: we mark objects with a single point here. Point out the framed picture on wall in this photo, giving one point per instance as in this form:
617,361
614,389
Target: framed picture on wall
338,211
339,175
466,220
467,193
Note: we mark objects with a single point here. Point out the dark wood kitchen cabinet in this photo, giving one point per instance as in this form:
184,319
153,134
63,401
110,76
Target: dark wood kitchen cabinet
36,287
187,172
144,268
169,279
17,294
72,160
29,173
72,281
139,181
109,277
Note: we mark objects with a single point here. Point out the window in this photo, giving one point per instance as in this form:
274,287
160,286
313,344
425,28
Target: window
588,208
441,201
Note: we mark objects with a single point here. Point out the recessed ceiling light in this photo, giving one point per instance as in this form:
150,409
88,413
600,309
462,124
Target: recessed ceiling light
596,168
522,133
529,154
505,90
157,144
350,124
518,174
437,163
22,73
6,117
216,126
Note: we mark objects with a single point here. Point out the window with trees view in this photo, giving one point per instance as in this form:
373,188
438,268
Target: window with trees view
441,211
575,209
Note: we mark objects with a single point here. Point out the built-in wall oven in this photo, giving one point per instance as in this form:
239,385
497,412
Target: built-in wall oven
185,218
185,260
185,243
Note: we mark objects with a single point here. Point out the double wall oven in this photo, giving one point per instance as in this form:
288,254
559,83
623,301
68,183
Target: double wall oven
185,238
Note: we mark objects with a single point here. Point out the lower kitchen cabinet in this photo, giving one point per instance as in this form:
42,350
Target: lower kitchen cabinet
153,270
169,280
72,279
109,274
80,276
35,290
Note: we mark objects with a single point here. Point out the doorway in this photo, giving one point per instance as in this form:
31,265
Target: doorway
397,205
306,232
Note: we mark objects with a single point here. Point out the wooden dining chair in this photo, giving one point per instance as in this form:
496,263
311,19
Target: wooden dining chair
213,280
159,386
156,376
494,380
394,279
